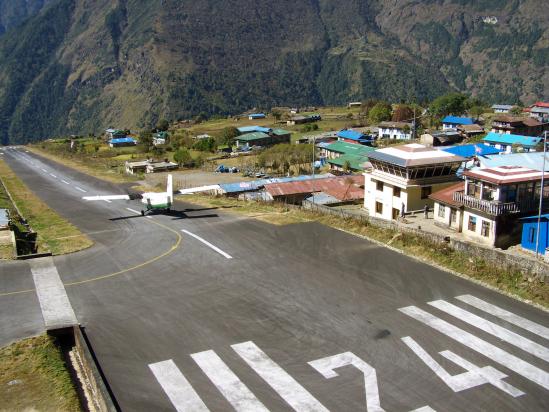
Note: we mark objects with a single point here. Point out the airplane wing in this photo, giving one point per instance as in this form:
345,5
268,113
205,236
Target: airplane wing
198,189
107,197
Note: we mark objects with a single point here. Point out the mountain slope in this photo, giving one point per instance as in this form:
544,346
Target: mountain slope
81,65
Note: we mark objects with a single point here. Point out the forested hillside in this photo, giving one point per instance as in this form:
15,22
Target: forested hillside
78,66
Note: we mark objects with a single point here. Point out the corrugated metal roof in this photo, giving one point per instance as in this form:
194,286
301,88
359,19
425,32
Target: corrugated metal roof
355,162
249,129
123,140
457,120
341,187
350,134
502,106
258,184
535,217
280,132
470,150
511,139
446,195
252,136
531,160
347,148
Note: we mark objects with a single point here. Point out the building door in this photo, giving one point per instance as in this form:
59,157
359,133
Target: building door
396,213
453,215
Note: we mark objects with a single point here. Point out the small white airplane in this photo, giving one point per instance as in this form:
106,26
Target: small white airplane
154,201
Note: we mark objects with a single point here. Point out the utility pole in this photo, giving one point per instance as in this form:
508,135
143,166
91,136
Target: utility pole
313,182
541,190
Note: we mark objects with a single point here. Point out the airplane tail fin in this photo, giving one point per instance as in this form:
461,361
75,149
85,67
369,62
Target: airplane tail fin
169,190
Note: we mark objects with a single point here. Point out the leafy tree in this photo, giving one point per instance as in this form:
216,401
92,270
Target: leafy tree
450,103
476,111
402,113
205,145
162,125
380,112
182,156
277,114
347,166
516,110
145,140
228,134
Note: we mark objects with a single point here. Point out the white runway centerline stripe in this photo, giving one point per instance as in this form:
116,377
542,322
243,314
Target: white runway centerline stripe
44,170
506,315
52,175
232,388
133,210
79,188
54,302
499,332
208,244
286,386
498,355
64,181
177,387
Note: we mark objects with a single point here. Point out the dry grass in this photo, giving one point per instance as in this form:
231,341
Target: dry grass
55,234
85,165
33,377
508,279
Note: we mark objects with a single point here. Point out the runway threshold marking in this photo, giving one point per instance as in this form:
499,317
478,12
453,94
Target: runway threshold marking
225,380
221,252
512,362
505,315
182,395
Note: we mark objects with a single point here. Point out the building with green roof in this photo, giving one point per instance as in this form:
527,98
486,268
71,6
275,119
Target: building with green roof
263,139
341,154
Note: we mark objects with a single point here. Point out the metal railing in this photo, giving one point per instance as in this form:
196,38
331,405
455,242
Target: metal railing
494,207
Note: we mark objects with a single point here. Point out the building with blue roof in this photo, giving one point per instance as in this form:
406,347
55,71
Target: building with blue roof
255,116
452,122
531,160
122,141
505,141
352,136
253,129
530,233
470,150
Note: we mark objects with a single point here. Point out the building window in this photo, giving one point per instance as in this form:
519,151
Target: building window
472,225
396,191
485,228
441,210
453,214
532,234
379,208
425,192
379,186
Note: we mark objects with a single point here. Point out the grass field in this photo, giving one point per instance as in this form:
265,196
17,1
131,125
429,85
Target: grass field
506,279
55,234
33,377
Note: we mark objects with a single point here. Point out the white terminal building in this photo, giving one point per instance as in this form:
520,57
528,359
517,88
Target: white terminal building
403,177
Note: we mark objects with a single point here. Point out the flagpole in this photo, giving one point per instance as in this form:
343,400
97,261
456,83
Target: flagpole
541,191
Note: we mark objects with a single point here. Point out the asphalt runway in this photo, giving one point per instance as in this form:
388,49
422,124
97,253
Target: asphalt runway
205,310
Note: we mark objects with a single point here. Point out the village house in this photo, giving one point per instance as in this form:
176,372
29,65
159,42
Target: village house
395,130
255,116
160,138
303,119
403,177
452,122
345,157
470,130
149,166
253,129
540,112
115,134
352,136
441,137
350,105
526,126
502,108
530,239
273,136
487,206
122,142
506,142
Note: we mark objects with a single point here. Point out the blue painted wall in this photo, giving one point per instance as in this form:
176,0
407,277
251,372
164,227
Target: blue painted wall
529,231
